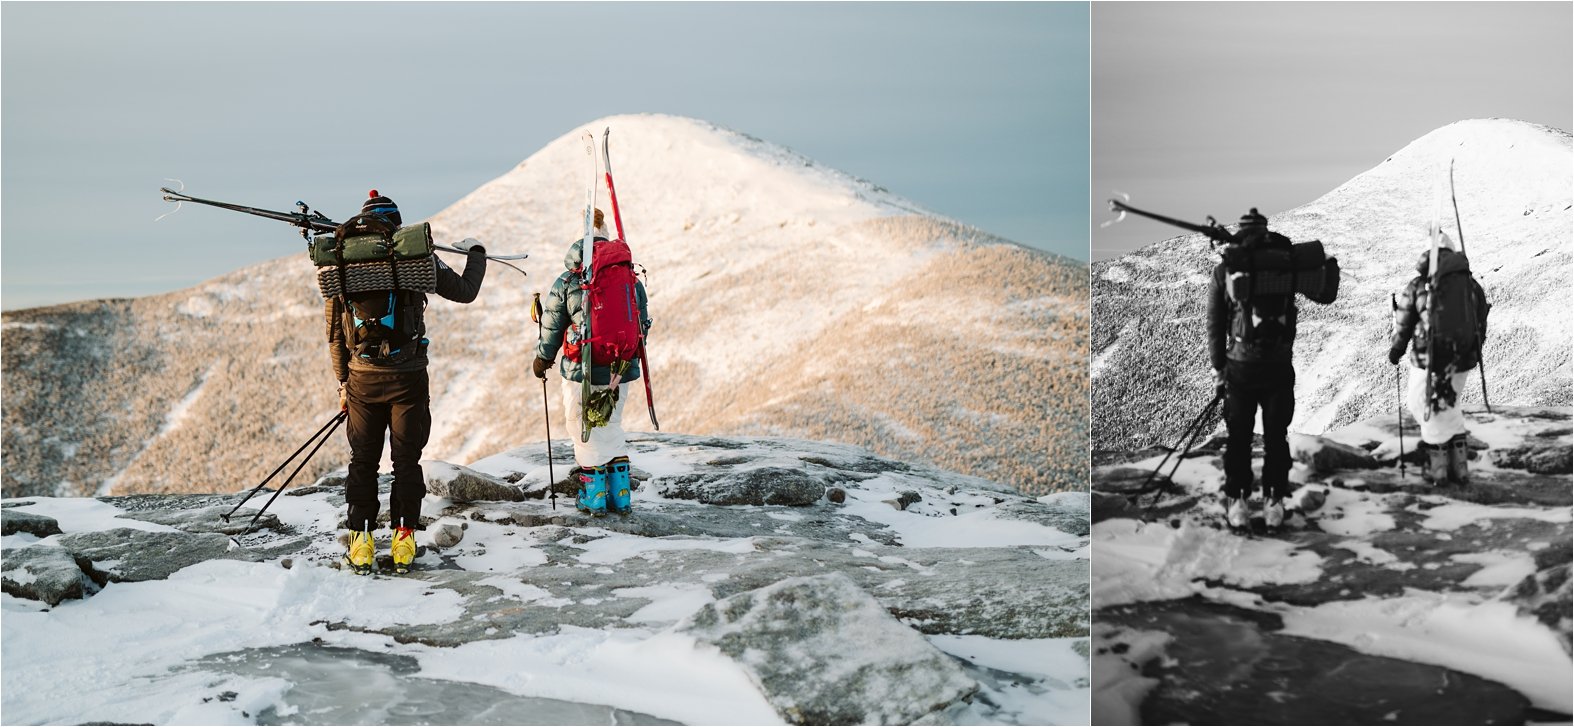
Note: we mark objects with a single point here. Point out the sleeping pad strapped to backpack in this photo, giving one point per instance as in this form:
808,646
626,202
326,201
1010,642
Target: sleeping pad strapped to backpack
1263,272
368,252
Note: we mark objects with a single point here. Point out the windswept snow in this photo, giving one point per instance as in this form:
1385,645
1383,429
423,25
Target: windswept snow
551,610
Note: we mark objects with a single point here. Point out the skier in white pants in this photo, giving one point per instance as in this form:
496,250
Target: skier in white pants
1444,331
603,458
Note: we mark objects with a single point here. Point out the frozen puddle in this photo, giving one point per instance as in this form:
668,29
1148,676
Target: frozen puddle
337,685
1222,662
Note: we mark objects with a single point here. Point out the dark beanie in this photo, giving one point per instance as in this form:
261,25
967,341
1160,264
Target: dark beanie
1253,218
380,205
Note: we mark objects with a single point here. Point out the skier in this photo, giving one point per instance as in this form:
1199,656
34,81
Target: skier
1445,344
377,346
603,461
1251,345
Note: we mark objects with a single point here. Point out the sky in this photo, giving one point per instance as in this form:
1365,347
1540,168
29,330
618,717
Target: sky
978,112
1214,108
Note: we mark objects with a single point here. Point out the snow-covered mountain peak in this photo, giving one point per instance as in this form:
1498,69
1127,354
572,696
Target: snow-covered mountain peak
676,176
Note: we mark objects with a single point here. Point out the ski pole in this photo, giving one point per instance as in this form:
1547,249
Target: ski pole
1399,411
331,422
337,420
546,409
1186,437
1399,397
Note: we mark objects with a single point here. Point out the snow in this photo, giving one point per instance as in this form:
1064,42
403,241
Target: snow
624,668
1354,514
1490,639
1118,684
142,652
1059,696
89,660
76,514
617,547
1455,515
668,603
978,529
1135,562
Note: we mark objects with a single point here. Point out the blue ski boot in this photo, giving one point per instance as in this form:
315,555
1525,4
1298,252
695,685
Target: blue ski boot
593,491
622,499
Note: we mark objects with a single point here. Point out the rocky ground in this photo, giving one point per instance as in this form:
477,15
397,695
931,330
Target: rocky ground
760,580
1386,600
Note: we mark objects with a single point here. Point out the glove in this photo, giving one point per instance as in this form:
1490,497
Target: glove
540,367
1218,382
468,244
1394,356
344,399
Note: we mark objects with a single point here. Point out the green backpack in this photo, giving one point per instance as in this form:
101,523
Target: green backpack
370,253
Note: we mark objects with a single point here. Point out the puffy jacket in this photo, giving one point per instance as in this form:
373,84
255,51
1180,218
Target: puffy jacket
565,306
1411,301
450,285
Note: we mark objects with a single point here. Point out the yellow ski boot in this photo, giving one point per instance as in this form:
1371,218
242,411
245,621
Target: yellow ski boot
362,554
403,549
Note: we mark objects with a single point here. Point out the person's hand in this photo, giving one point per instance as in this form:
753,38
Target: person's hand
1218,382
344,399
470,243
1394,356
540,367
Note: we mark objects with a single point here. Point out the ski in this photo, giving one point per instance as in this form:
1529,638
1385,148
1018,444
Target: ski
586,258
617,220
1429,404
308,220
1481,356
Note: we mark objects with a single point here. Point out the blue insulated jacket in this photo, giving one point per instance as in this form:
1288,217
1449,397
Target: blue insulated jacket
564,306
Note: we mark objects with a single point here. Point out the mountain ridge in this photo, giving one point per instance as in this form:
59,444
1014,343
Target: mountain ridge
1514,189
758,265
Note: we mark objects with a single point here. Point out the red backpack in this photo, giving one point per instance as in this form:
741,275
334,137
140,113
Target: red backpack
612,305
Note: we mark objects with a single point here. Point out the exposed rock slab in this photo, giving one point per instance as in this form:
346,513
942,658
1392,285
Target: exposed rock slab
462,484
757,486
825,652
14,521
127,555
42,573
1325,455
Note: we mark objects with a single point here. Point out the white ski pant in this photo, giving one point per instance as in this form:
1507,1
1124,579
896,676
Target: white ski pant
1444,424
605,442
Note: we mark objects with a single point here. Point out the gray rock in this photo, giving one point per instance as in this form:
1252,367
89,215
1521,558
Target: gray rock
1312,500
1068,512
15,521
1542,458
208,520
1547,595
758,486
836,495
462,484
904,499
825,652
1326,455
42,573
126,555
447,535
